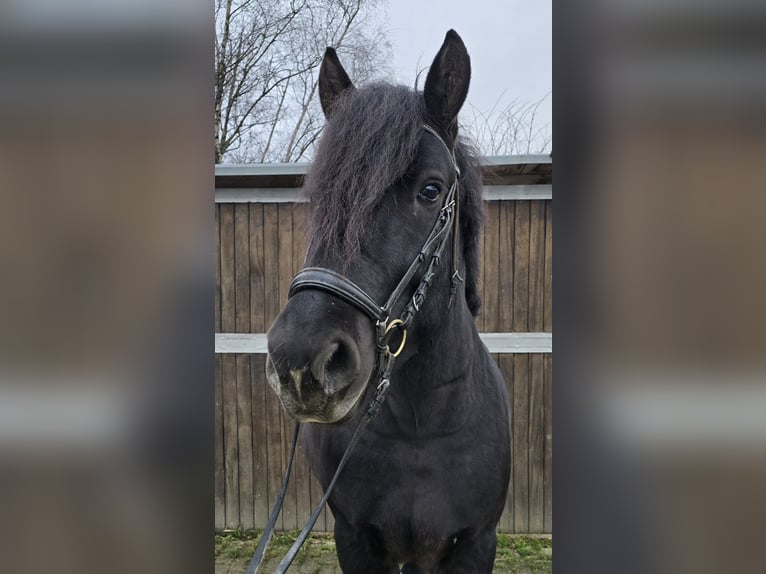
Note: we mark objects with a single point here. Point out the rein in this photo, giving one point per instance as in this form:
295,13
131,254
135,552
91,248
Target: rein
336,284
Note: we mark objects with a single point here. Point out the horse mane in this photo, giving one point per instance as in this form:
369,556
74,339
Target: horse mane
369,142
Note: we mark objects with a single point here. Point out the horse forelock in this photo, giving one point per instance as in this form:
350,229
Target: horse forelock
368,143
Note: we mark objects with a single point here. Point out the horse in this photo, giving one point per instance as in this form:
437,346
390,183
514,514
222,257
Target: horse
394,188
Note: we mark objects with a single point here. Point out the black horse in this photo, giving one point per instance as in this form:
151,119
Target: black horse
427,483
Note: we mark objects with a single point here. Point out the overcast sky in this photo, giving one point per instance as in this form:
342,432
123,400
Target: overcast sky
509,42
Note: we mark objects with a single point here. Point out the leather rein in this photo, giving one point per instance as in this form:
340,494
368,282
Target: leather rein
329,281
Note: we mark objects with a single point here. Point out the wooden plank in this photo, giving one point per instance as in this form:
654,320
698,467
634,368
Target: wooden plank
548,375
521,370
536,266
300,227
520,443
491,269
506,256
271,309
285,216
480,275
244,392
217,265
231,442
245,439
548,272
274,449
258,385
257,270
227,317
505,364
228,369
535,321
548,446
536,447
521,268
271,263
219,462
259,388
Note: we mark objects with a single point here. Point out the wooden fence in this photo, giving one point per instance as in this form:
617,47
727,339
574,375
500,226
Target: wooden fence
259,246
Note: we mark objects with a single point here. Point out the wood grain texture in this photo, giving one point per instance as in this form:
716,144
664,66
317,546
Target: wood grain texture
274,439
548,272
520,402
242,365
228,369
259,389
258,385
245,442
521,268
219,481
230,439
505,364
257,270
536,443
535,323
217,266
520,440
548,444
258,249
507,210
489,316
536,292
285,247
226,262
480,276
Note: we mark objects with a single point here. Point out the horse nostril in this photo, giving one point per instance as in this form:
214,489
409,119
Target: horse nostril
338,362
337,366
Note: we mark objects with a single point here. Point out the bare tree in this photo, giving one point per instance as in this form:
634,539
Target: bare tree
513,129
267,57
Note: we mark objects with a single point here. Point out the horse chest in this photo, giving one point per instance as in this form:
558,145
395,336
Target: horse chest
402,488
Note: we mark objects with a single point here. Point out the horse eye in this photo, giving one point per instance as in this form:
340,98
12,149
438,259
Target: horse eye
430,192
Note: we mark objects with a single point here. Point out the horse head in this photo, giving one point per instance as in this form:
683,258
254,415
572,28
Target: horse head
379,186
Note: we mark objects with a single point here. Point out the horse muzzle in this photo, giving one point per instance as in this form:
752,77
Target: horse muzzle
319,374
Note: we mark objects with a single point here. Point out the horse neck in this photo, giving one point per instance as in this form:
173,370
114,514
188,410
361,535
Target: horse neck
441,356
438,374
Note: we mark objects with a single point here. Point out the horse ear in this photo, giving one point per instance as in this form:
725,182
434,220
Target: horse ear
333,80
447,83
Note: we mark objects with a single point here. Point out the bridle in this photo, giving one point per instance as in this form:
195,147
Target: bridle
329,281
